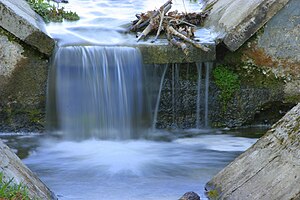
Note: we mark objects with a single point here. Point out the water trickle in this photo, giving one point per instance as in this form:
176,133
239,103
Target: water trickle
158,96
175,85
98,92
202,102
198,103
173,95
208,65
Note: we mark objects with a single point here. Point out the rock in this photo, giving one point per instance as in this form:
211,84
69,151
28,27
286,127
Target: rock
190,196
270,169
19,19
12,167
281,37
10,54
238,20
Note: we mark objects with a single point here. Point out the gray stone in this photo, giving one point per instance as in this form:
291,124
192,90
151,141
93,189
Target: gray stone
281,35
238,20
19,19
190,196
12,167
10,55
270,169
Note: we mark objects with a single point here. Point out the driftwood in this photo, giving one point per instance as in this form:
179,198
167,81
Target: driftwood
172,31
179,27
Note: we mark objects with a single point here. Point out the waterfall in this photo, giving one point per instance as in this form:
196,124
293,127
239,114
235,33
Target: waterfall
96,92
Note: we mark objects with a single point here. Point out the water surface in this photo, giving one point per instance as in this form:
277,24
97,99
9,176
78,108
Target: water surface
165,166
104,22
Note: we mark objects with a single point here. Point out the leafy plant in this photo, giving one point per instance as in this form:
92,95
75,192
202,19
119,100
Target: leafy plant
12,191
227,81
52,13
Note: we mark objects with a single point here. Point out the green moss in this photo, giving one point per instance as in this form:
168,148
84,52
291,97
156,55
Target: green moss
218,124
13,191
292,98
227,81
213,194
52,13
34,115
296,129
9,36
252,75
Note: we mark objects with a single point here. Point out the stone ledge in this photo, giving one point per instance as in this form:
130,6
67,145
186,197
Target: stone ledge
19,19
238,20
164,53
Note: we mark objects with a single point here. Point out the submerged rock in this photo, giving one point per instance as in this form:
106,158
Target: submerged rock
270,169
13,168
190,196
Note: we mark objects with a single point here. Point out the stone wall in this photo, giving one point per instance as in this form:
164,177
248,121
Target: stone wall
268,68
268,63
259,99
24,51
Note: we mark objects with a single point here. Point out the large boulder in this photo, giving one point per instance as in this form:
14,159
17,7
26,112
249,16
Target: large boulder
270,169
13,168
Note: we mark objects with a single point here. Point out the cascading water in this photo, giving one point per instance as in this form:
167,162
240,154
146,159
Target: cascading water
98,92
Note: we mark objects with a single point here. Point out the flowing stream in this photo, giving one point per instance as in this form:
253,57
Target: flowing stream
162,167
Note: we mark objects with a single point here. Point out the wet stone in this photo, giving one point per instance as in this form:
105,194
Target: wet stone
190,196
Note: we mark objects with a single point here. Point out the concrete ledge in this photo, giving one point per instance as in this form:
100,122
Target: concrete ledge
164,53
19,19
240,19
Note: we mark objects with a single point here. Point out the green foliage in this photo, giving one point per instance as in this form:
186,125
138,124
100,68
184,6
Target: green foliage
12,191
51,13
227,81
212,194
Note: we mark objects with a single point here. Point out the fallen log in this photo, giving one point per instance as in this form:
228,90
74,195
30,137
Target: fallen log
160,25
166,7
146,31
172,31
179,44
